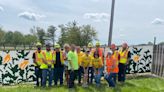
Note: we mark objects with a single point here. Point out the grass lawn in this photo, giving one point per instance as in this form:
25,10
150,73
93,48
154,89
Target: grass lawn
132,85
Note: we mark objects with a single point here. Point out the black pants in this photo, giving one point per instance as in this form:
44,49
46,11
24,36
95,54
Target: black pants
80,72
58,74
72,76
90,75
38,74
122,72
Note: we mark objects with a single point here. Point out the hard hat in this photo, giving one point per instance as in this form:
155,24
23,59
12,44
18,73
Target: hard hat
90,45
113,46
57,46
97,43
38,44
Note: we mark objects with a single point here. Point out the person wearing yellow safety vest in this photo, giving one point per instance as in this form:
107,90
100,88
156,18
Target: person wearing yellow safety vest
80,71
86,61
100,51
124,58
48,66
58,64
38,60
90,69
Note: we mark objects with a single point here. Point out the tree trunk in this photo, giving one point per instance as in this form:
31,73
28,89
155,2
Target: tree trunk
4,46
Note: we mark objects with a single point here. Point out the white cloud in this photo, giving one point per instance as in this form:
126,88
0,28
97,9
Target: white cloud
97,16
158,21
1,8
31,16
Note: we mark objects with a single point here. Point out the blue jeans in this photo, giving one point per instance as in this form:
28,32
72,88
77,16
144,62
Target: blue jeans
47,73
111,79
97,77
58,74
101,70
38,74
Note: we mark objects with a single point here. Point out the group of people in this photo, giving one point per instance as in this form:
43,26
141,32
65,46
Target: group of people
87,65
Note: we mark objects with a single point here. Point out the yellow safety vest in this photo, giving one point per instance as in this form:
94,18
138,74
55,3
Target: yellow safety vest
116,53
48,57
61,57
124,56
38,58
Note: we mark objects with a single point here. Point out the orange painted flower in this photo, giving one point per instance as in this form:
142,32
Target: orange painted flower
136,58
7,58
23,64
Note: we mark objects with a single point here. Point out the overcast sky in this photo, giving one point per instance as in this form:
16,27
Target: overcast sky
135,22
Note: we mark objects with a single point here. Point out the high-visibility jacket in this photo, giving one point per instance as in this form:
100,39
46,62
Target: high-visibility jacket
38,58
124,56
86,60
101,54
48,57
80,56
97,62
61,57
112,64
116,55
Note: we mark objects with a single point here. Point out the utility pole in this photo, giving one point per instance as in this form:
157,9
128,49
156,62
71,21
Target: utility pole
111,23
155,40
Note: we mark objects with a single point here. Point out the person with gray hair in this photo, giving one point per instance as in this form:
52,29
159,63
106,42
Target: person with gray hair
65,53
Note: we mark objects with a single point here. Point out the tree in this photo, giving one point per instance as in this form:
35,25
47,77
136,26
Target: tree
88,33
2,34
29,40
63,35
39,33
8,38
51,33
71,33
17,38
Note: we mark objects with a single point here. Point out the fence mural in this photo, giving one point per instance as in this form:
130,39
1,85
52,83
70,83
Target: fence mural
141,59
16,66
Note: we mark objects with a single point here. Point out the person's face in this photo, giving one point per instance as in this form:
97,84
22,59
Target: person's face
124,46
78,50
73,48
87,53
66,49
97,46
96,56
113,49
38,48
109,54
48,48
